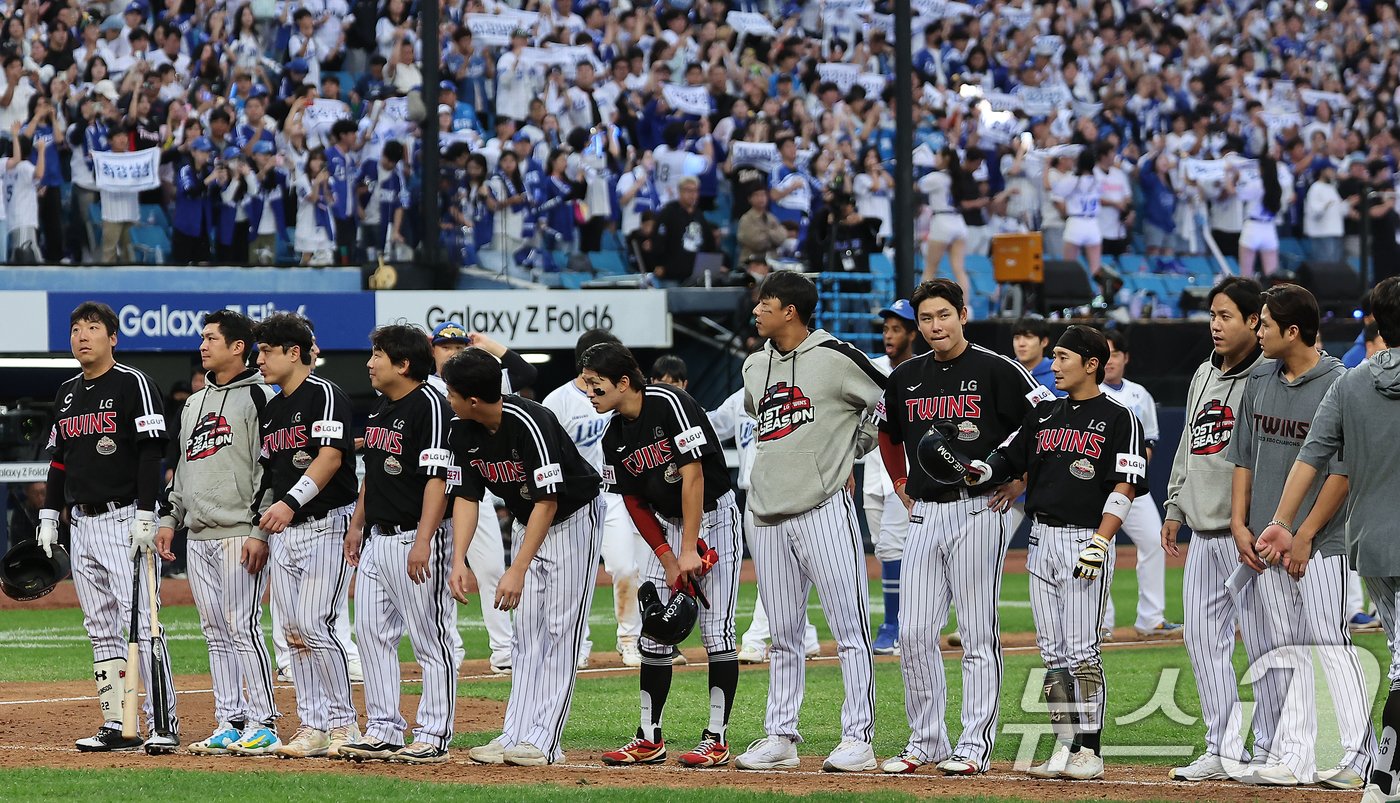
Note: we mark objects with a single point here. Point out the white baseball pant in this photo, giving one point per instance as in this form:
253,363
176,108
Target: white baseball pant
1144,527
486,556
621,548
756,636
720,528
820,547
229,601
889,524
343,634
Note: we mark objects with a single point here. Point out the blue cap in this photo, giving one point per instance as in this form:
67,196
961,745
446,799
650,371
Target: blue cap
901,308
112,23
447,86
264,147
521,136
298,65
202,144
136,8
258,91
450,332
232,153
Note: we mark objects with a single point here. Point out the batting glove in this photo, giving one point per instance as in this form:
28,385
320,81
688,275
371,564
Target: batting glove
48,530
1092,558
978,472
708,556
143,532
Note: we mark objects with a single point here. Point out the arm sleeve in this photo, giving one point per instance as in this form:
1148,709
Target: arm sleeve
1325,437
647,526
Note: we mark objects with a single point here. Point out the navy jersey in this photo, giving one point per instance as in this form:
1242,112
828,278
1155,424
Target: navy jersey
405,446
99,425
294,429
643,457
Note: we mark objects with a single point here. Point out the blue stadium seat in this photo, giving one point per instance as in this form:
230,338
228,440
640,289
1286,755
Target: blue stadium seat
1132,263
880,265
151,244
573,281
1203,268
608,263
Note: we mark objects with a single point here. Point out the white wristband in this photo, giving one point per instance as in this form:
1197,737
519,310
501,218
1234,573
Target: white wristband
1118,505
48,514
304,491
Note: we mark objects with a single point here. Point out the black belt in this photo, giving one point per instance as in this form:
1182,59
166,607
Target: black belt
101,507
954,493
395,529
1261,220
1051,521
948,212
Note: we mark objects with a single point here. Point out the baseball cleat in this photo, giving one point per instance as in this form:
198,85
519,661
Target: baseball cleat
1106,634
637,751
631,654
368,750
106,740
1374,794
1208,767
1084,765
887,640
1364,623
1272,775
905,762
284,676
769,753
500,670
813,651
678,658
357,672
753,655
162,744
850,756
1162,630
420,753
259,741
955,639
582,661
341,736
711,752
1055,766
1341,777
493,752
957,765
525,755
306,743
218,742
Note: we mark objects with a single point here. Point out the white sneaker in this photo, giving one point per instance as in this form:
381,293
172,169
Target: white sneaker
525,755
1272,775
769,753
753,655
1055,766
1341,777
678,658
1208,767
341,736
583,661
307,743
631,654
851,755
357,672
813,652
1084,765
1373,794
493,752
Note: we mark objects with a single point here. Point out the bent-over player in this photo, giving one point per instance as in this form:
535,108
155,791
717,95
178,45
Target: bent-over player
404,561
662,456
105,449
304,504
516,449
1085,461
211,494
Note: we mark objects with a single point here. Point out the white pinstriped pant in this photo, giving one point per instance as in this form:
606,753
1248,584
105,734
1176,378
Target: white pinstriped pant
548,629
820,547
757,635
1298,615
720,529
1385,593
310,582
954,555
624,556
486,555
1068,611
387,604
229,601
102,579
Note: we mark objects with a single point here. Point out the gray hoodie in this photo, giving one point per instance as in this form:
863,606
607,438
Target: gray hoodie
813,406
1198,492
1361,412
218,471
1274,419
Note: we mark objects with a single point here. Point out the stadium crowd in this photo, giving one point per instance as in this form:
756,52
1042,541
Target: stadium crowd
277,131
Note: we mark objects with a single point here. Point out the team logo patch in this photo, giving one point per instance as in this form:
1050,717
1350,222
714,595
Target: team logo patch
210,434
691,439
327,429
782,410
392,466
1039,394
968,431
525,492
672,474
301,460
609,475
106,445
150,423
1211,428
454,476
1082,468
1131,464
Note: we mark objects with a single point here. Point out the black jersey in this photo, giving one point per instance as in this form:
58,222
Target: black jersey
405,446
1075,452
99,426
294,429
643,457
529,456
982,394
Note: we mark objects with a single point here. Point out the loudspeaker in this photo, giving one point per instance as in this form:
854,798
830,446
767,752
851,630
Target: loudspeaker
1335,285
1066,285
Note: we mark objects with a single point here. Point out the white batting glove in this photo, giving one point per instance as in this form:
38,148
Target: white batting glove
1091,559
978,472
143,532
48,530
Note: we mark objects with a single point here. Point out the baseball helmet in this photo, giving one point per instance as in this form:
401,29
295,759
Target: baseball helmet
27,573
670,623
939,461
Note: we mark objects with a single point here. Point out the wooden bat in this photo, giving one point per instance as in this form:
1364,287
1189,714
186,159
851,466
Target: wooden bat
131,706
160,703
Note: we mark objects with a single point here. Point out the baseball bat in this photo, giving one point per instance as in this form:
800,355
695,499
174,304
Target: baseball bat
131,707
160,703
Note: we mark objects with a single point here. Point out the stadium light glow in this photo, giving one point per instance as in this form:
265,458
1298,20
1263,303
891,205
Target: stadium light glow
39,362
535,358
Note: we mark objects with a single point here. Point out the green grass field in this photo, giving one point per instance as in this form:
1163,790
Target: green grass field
1153,713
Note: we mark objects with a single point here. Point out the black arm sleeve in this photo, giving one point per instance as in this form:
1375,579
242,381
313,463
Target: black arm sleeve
53,495
521,373
148,475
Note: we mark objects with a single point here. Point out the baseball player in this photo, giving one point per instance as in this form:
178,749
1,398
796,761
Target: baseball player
105,450
1144,525
516,448
404,562
1085,461
1358,414
812,396
585,425
487,556
663,457
211,495
1304,605
1199,495
886,517
304,503
957,535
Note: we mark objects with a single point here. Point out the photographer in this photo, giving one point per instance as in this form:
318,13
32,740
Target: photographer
841,239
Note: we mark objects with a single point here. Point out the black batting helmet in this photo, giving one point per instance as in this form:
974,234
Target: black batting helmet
939,461
27,573
669,623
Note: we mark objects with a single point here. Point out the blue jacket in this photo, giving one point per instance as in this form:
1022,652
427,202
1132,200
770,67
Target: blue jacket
270,197
556,207
1044,375
194,214
342,179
